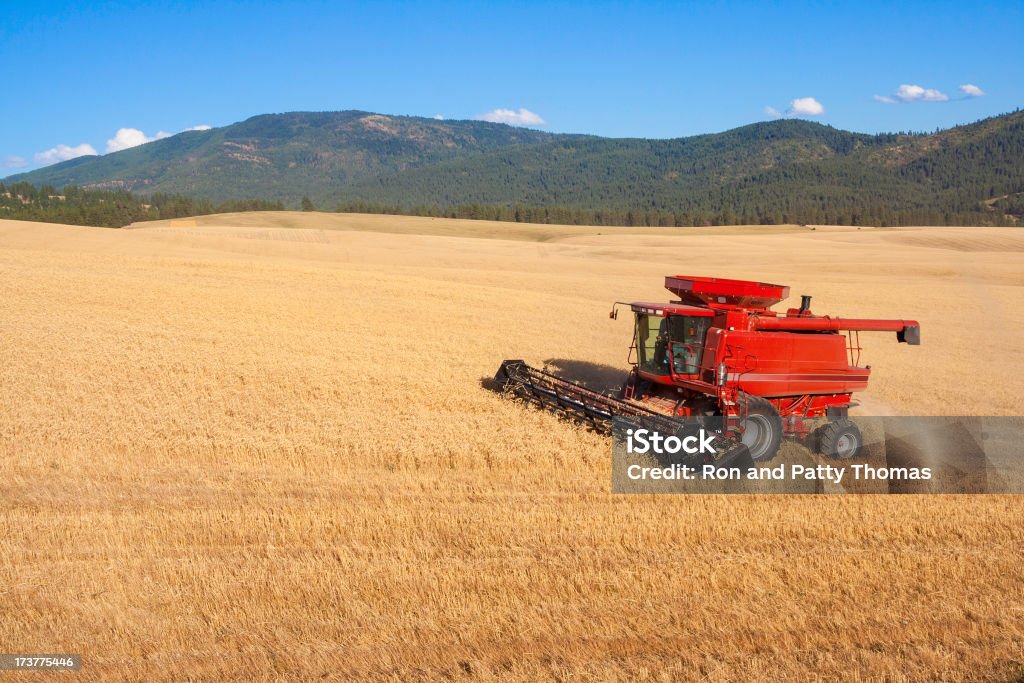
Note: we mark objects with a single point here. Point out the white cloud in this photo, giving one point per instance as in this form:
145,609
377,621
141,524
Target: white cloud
801,106
806,106
438,117
971,90
523,117
63,153
126,138
913,93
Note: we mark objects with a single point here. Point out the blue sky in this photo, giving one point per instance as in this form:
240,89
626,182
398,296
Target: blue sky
76,73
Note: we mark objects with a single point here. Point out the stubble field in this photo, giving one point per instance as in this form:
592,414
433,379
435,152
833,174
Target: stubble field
260,446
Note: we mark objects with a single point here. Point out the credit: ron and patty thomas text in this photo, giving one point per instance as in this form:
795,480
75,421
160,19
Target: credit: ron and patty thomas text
645,442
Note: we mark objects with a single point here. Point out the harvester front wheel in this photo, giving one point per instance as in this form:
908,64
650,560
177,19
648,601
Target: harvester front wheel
762,428
840,439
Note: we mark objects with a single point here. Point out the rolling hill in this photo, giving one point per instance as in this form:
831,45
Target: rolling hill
771,172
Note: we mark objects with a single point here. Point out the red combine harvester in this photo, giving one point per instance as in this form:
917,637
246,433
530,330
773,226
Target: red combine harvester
719,350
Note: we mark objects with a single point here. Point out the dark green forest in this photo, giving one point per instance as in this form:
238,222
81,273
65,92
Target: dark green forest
109,208
782,171
563,215
771,173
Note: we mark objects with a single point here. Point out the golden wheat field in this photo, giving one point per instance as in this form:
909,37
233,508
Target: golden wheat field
260,446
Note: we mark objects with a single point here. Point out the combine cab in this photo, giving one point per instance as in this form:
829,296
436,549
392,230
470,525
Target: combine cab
719,350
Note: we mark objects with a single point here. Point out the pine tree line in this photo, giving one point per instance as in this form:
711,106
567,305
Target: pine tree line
804,215
109,208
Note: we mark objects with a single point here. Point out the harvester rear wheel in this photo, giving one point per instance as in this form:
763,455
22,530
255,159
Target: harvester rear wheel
762,428
840,439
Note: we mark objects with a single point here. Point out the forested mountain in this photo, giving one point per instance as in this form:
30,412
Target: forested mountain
283,156
772,172
781,171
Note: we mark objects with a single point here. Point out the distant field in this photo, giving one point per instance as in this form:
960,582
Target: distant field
447,227
257,446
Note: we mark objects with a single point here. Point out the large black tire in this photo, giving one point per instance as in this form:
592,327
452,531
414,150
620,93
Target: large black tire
840,439
762,428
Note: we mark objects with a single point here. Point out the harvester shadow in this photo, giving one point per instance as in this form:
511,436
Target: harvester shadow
593,376
492,384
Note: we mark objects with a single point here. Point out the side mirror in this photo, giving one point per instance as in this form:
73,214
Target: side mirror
614,313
